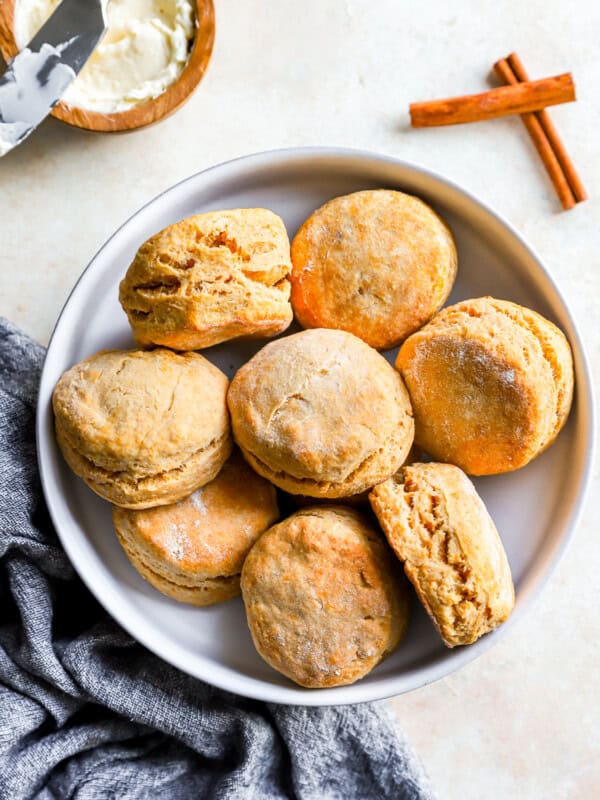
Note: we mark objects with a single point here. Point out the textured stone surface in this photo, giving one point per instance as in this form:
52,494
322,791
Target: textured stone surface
520,722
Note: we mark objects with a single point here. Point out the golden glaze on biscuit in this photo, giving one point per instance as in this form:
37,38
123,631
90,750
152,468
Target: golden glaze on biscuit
143,428
324,600
194,550
376,263
321,414
490,382
437,524
210,278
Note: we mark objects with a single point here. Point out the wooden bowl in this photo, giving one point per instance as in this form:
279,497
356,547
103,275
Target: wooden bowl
147,113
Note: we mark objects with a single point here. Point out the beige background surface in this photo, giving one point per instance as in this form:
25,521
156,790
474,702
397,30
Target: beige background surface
523,721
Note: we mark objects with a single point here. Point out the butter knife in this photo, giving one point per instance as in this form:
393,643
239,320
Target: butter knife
39,75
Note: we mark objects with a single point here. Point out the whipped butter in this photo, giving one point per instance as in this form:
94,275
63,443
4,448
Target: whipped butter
144,51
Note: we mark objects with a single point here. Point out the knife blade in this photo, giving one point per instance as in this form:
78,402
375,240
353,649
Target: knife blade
39,75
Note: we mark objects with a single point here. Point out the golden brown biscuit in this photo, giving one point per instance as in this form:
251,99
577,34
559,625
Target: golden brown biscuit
490,382
210,278
376,263
194,550
439,527
322,414
143,428
324,601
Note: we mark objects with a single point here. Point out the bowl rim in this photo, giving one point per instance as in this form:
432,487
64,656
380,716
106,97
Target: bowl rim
229,679
153,110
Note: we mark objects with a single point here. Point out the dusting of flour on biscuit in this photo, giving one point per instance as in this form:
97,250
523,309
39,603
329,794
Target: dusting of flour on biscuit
198,503
176,544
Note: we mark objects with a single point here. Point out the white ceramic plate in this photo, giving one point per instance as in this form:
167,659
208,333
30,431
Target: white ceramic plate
535,509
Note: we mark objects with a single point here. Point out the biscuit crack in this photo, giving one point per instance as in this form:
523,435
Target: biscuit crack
260,278
288,399
173,395
279,283
221,239
168,261
165,286
366,583
323,371
443,539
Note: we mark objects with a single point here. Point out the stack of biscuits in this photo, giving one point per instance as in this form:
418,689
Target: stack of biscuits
369,462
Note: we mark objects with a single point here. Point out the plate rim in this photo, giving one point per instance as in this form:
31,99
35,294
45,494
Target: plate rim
228,678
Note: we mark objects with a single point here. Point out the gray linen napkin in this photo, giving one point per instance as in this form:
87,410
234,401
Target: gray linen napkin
87,712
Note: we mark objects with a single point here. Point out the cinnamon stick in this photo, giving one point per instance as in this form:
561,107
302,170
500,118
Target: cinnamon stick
514,99
505,73
552,135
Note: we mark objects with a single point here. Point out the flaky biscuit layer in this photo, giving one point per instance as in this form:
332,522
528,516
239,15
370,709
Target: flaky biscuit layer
438,526
210,278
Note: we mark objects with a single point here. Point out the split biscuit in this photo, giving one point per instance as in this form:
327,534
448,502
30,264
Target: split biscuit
322,414
324,600
193,551
210,278
491,384
437,524
377,263
143,428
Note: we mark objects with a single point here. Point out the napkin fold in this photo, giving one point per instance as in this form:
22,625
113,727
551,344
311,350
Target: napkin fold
87,712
